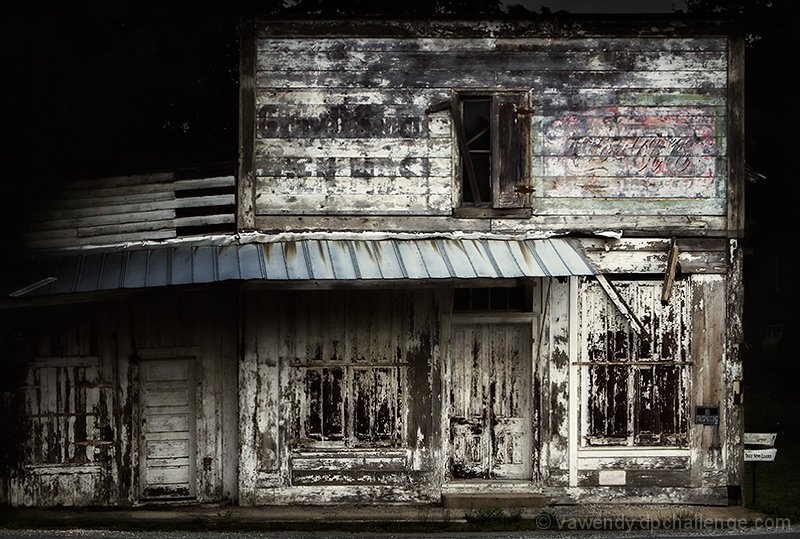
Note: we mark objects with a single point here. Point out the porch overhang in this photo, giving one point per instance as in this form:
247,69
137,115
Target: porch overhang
294,260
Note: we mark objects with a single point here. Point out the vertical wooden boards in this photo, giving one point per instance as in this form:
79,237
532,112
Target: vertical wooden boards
328,417
245,207
68,448
736,146
733,371
67,407
512,158
490,398
258,390
636,387
709,354
555,359
82,402
202,326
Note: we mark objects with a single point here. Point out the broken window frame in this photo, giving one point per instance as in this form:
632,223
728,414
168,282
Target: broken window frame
639,369
510,150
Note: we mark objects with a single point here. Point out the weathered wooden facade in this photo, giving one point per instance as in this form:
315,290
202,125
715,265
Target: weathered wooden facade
457,258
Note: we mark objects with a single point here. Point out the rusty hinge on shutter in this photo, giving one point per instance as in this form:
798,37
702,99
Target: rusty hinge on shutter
524,111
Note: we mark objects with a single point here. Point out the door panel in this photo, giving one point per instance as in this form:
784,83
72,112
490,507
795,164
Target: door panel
490,410
167,454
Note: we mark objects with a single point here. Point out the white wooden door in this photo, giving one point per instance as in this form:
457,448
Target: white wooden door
490,400
167,450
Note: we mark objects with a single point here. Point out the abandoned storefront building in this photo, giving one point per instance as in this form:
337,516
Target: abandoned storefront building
454,259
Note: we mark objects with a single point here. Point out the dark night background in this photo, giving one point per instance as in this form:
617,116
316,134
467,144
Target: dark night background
103,87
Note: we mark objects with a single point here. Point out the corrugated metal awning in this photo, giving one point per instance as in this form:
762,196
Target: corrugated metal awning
298,260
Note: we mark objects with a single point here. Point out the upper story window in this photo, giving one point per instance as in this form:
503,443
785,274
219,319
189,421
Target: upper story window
493,132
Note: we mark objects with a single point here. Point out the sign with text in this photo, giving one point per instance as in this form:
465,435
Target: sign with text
764,440
760,438
760,455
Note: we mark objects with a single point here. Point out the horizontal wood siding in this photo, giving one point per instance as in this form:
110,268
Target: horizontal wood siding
627,133
130,209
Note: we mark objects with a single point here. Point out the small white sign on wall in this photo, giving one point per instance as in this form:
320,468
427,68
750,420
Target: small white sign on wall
611,477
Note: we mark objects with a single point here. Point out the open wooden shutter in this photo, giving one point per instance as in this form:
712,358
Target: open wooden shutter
511,152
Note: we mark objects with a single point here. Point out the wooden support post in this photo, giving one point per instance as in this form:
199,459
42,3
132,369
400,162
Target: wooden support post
245,193
622,305
669,275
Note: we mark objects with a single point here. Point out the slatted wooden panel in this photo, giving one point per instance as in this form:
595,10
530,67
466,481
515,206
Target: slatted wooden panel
131,208
167,435
621,126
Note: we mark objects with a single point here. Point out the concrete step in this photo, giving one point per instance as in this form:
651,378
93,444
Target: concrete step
489,500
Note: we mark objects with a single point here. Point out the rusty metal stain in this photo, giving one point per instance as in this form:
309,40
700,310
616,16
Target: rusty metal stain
433,259
343,264
529,266
481,259
412,259
297,267
369,266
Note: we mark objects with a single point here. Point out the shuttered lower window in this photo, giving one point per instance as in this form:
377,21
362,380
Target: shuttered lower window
66,409
635,388
349,405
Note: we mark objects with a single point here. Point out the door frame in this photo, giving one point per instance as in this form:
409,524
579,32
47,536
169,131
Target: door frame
451,319
190,355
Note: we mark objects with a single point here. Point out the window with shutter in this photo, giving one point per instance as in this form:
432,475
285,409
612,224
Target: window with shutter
494,134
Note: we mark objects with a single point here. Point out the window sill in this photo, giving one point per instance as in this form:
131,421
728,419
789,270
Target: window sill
471,212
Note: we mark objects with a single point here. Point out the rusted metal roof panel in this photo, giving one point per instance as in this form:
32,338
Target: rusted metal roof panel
299,260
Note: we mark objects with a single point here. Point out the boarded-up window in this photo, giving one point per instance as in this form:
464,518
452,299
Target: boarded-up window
66,408
354,405
347,368
636,387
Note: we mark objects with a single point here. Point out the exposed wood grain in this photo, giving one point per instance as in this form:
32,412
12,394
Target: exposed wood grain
364,147
101,220
125,181
478,79
115,209
669,274
736,122
661,245
620,262
485,60
527,44
555,206
629,400
708,344
733,368
357,167
247,125
596,178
